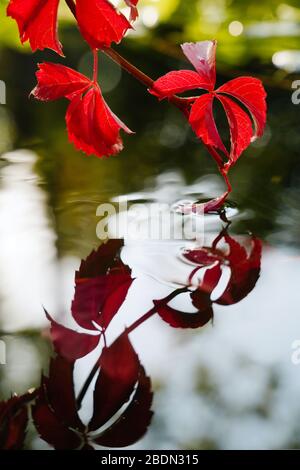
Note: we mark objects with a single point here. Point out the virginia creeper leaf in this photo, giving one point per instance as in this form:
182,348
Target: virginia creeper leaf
57,81
119,371
92,126
203,123
37,22
100,23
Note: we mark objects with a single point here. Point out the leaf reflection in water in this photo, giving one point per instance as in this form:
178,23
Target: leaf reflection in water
117,384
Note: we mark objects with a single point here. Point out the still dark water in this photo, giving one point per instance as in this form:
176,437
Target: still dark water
230,384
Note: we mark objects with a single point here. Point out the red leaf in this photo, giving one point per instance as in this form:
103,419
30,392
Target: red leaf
245,271
203,124
119,373
55,411
134,421
102,283
60,392
203,57
96,300
69,343
179,319
92,126
211,279
13,422
37,22
100,23
101,260
133,9
57,81
240,127
251,93
99,299
215,204
177,82
50,428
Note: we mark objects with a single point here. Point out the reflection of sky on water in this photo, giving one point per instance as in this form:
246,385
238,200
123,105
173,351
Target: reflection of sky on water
27,245
230,385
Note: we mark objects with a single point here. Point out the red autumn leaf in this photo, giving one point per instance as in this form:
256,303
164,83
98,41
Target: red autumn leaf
37,22
179,319
203,123
251,93
101,286
119,370
240,127
248,90
134,421
100,23
71,344
13,422
245,270
60,392
100,261
55,412
211,278
244,267
177,82
121,381
133,9
92,126
202,56
57,81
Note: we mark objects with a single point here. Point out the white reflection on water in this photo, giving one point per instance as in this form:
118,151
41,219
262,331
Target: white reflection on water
27,246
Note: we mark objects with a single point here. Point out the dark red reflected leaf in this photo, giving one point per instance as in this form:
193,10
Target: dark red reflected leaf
60,392
101,260
55,412
119,373
69,343
179,319
211,278
13,422
133,423
50,428
245,271
101,286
